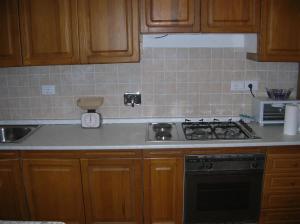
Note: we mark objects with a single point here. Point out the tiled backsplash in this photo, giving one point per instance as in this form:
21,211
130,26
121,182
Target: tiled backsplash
173,82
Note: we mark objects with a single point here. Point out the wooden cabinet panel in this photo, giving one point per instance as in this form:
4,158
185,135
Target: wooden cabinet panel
49,31
112,190
109,31
112,154
282,182
289,162
280,217
280,200
281,194
230,16
279,37
12,197
54,189
163,190
170,16
10,46
282,30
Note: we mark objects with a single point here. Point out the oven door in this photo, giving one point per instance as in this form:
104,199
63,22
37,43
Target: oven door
222,196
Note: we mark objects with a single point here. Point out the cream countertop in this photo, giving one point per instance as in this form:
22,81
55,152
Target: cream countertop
133,136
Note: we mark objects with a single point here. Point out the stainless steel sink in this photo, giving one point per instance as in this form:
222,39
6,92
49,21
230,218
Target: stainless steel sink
15,133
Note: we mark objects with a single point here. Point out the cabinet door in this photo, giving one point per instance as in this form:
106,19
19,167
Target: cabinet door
288,162
280,33
12,197
163,190
281,200
112,190
282,182
280,217
230,16
54,189
108,31
49,31
10,46
161,16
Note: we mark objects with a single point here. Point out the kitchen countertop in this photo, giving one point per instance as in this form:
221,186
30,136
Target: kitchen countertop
133,136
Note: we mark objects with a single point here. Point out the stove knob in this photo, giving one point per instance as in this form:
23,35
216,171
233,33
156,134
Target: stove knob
201,166
209,166
254,165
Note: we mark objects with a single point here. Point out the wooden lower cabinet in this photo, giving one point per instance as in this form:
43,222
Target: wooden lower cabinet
280,217
281,193
124,187
281,200
54,190
163,190
12,197
112,190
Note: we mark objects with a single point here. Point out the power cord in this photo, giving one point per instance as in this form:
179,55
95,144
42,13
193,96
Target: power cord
250,86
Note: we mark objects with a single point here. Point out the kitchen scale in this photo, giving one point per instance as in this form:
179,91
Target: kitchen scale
91,119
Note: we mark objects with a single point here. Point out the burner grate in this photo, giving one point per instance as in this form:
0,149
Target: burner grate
213,130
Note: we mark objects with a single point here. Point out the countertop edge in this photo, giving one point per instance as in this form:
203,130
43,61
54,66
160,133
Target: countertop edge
157,146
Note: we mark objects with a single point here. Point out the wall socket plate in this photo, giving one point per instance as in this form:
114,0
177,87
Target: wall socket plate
242,85
254,84
237,85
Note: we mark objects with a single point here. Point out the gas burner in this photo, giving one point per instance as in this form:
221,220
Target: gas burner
229,133
202,134
222,130
162,132
162,127
198,132
163,136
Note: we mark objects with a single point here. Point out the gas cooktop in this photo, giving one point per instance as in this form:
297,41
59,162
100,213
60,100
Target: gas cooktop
201,131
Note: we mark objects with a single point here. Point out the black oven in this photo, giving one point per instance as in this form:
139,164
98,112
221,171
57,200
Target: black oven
223,188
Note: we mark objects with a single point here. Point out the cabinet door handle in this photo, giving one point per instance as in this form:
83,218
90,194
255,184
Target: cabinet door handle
163,168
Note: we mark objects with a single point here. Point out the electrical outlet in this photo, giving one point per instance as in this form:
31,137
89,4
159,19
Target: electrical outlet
48,89
237,85
254,84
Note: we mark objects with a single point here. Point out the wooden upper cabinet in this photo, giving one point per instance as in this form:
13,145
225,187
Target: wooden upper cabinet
112,190
230,16
12,197
279,36
10,46
54,190
109,31
172,16
49,31
163,191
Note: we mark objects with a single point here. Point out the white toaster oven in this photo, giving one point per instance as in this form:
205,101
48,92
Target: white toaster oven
268,111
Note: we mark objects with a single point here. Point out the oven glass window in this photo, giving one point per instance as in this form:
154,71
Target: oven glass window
223,196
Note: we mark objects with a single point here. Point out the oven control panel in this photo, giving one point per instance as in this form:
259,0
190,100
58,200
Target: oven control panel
225,162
